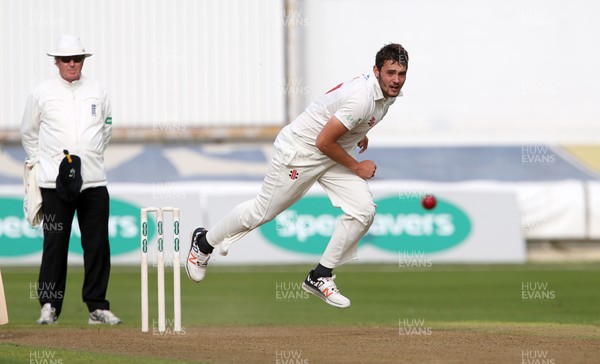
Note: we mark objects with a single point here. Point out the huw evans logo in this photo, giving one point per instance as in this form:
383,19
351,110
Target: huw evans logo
17,238
400,225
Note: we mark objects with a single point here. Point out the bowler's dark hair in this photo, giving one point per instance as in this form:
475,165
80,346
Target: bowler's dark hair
391,52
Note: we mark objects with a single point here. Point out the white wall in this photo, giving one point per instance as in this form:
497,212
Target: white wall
183,62
480,71
511,71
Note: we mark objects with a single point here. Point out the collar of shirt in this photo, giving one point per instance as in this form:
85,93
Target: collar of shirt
378,94
69,84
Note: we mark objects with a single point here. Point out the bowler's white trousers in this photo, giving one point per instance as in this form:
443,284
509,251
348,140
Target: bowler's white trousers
279,191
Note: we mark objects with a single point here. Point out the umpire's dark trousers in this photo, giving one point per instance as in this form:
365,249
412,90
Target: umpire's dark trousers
92,206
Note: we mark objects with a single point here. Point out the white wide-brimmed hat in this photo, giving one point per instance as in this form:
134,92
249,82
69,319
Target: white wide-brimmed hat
69,45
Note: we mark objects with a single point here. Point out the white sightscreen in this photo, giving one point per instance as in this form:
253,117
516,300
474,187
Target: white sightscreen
480,71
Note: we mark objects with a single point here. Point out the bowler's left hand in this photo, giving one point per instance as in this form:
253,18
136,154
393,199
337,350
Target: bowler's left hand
363,145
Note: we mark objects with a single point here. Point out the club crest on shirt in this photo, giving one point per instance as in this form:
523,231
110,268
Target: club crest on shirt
372,121
294,174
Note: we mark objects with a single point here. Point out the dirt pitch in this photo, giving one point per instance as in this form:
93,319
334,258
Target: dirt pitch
459,343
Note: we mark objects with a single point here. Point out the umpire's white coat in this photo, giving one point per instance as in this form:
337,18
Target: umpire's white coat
75,116
359,105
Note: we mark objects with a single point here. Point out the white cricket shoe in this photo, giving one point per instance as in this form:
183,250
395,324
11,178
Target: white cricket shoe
196,263
98,317
48,315
325,289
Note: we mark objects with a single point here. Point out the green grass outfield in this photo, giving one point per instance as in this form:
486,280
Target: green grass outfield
382,295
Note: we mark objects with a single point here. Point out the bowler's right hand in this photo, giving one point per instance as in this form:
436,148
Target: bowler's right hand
366,169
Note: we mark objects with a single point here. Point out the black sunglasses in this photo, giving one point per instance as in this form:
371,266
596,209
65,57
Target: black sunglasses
68,59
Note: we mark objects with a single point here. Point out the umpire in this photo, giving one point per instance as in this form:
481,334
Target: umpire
65,129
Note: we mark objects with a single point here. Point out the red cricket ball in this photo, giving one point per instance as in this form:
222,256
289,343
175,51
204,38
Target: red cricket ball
428,202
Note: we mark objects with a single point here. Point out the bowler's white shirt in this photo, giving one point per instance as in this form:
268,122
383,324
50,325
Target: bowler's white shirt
359,104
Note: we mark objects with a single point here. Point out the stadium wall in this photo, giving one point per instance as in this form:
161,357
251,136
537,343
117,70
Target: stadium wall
457,230
480,72
474,222
168,66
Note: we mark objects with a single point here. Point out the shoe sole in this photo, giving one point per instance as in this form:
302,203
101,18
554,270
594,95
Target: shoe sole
187,271
94,322
318,293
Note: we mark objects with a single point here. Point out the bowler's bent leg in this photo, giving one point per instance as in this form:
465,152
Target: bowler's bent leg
353,195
